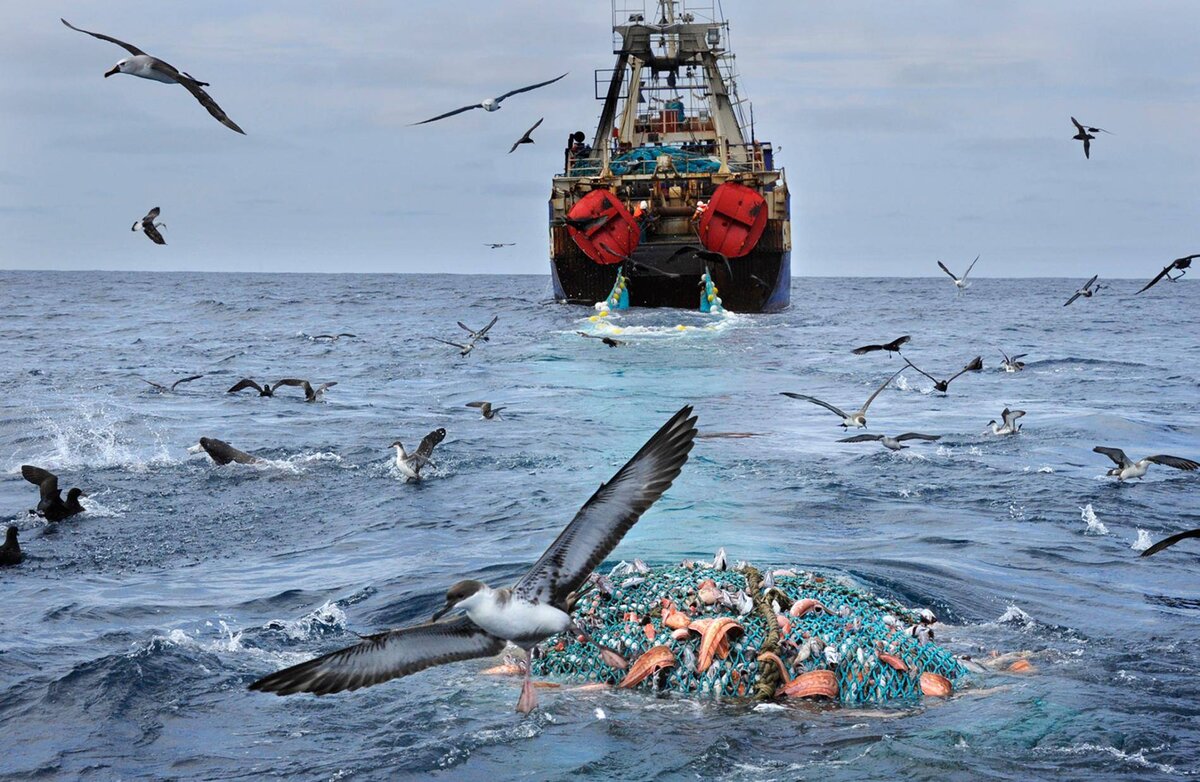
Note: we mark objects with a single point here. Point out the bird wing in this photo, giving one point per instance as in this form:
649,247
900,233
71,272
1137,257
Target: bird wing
476,404
871,398
151,231
1091,282
378,658
1073,298
1158,277
152,215
1116,454
898,341
815,401
1174,461
207,102
1010,416
923,372
969,268
918,436
1016,357
1075,122
861,438
244,383
448,342
1087,147
448,114
466,328
292,381
43,479
159,386
510,93
605,518
126,46
425,449
513,149
488,327
947,271
185,380
536,124
321,388
589,336
866,349
975,365
1171,541
347,334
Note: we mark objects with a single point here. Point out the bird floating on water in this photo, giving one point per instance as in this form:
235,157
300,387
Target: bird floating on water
1160,545
891,443
147,67
166,389
222,452
1127,468
263,390
490,104
1180,265
410,465
1012,363
486,409
535,608
51,505
1087,291
975,365
1010,422
147,226
310,394
10,552
890,347
960,282
1084,134
525,138
857,419
612,343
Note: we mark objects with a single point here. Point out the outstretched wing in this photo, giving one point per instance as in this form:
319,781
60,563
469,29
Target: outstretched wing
923,372
1010,416
1073,298
185,380
448,342
969,268
815,401
1078,127
975,366
244,383
947,271
321,388
476,404
1158,277
871,398
1171,541
918,436
152,215
126,46
483,331
159,386
207,102
1091,282
43,479
449,114
605,518
861,438
291,381
152,232
866,349
1116,454
425,449
1174,461
384,656
510,93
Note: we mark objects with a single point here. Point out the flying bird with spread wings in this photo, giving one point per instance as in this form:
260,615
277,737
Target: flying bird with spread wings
490,104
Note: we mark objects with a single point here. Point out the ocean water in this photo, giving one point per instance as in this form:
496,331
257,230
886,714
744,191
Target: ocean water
129,635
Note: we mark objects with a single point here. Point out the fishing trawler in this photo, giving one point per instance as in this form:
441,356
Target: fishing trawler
675,202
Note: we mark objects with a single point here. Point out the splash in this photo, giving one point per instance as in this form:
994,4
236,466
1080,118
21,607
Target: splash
91,435
1014,615
1094,525
1143,541
314,624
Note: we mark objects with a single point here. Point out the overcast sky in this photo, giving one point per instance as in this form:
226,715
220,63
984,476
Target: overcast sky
910,132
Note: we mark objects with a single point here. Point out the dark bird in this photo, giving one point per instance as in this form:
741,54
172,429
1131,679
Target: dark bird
263,390
147,67
410,464
890,347
612,343
10,552
1157,547
51,504
147,226
631,266
310,394
708,256
891,443
1012,363
960,282
943,385
463,350
532,610
857,419
164,389
1087,291
525,139
486,409
335,337
222,452
1180,265
1085,135
481,335
586,224
491,104
498,245
1126,468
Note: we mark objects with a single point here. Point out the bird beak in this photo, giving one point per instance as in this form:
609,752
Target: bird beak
442,612
116,69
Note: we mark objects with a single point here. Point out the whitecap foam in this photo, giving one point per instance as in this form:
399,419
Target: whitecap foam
1094,525
1134,758
329,616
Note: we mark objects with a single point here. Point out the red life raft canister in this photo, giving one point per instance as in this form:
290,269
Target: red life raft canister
605,241
734,220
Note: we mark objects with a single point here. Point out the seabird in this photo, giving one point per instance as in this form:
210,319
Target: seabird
147,67
1012,363
890,347
487,410
222,452
498,245
51,504
960,282
628,262
310,394
857,419
1157,547
335,337
164,389
1085,135
1179,264
263,390
612,343
975,365
1010,422
480,335
526,138
891,443
586,224
410,464
1086,291
463,350
1127,469
10,552
532,610
147,226
491,104
708,256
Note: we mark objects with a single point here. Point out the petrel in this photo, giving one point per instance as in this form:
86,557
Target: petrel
1087,291
1180,265
310,394
222,452
147,226
147,67
335,337
410,464
486,409
891,443
164,389
708,256
975,365
857,419
491,104
1085,135
263,390
526,138
1127,468
1157,547
51,504
890,347
532,610
10,552
612,343
1013,363
960,282
463,350
1010,422
480,335
498,245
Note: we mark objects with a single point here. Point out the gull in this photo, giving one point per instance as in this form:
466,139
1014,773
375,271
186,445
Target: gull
335,337
51,504
890,347
532,610
1087,291
943,386
1011,363
498,245
1010,422
891,443
1085,135
487,410
147,67
1157,547
526,138
463,350
858,419
147,226
410,464
480,335
612,343
960,282
491,104
165,389
1179,264
1127,469
10,552
310,394
263,390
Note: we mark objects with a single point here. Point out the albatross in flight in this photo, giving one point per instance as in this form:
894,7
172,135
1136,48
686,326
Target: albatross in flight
891,443
147,226
943,386
1180,265
1087,291
147,67
857,419
960,282
1126,468
532,610
491,104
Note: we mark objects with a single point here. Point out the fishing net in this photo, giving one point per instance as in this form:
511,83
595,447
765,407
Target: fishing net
877,650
